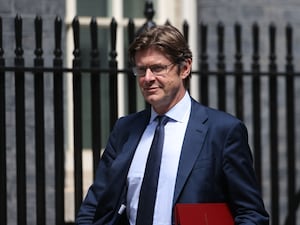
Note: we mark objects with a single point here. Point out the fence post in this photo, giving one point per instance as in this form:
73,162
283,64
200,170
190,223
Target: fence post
221,68
113,79
290,127
77,100
20,125
203,65
256,105
39,125
186,31
131,78
58,125
186,37
273,106
238,67
95,95
3,174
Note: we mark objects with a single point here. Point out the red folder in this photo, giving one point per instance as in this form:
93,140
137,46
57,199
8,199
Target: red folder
203,214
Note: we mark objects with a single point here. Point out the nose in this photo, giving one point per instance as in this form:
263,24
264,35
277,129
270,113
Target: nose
149,75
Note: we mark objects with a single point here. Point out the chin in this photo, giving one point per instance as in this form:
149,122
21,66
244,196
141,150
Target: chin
151,101
150,97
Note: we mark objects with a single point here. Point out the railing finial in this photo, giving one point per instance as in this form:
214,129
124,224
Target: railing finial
149,14
149,11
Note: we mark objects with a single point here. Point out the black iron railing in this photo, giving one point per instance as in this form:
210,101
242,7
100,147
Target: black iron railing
205,74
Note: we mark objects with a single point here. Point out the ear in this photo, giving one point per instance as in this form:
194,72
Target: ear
185,68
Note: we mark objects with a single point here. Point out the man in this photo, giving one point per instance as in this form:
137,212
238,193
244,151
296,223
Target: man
205,156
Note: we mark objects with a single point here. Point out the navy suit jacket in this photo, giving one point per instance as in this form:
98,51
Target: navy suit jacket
215,166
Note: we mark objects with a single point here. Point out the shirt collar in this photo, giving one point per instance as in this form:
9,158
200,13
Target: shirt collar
179,111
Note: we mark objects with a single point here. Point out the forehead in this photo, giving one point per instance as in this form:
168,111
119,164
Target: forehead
150,55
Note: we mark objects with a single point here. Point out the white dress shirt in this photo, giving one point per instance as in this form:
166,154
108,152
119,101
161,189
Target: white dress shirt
174,135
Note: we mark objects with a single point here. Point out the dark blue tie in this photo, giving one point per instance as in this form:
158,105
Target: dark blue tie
149,185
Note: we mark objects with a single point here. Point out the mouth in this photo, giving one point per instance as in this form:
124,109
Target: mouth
150,89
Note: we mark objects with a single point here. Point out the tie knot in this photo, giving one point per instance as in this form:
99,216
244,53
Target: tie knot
162,120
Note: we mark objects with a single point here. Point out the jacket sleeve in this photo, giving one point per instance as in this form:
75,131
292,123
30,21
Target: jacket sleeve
108,191
97,192
244,195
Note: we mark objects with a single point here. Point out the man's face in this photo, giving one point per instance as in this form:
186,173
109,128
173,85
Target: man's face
161,84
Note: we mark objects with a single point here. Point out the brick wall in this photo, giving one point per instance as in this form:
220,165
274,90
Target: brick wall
209,11
28,10
263,12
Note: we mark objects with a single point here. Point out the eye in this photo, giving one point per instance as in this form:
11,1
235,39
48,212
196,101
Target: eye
140,70
157,68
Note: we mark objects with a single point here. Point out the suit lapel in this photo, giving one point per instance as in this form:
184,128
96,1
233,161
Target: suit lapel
192,146
116,191
129,146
